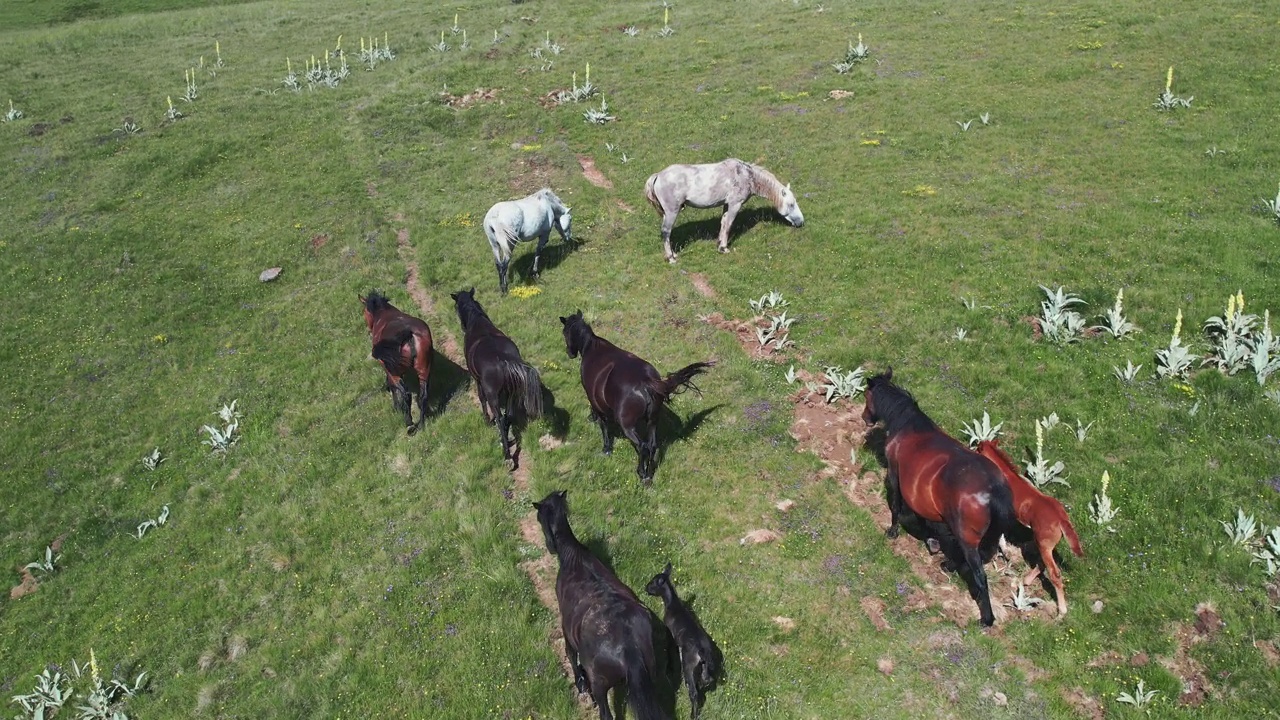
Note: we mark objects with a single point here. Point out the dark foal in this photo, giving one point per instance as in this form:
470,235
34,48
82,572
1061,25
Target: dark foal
509,388
608,632
402,343
625,389
700,660
941,481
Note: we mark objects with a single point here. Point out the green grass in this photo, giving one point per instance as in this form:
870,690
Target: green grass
329,566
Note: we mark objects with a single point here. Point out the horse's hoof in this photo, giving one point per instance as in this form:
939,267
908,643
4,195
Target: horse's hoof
892,532
412,430
933,546
511,464
672,260
988,622
724,251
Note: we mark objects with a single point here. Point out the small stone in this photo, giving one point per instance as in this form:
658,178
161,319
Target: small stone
755,537
785,624
1000,699
885,665
1096,607
785,505
269,274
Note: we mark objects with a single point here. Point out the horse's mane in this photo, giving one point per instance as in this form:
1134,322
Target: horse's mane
766,184
897,407
547,194
468,309
375,301
580,333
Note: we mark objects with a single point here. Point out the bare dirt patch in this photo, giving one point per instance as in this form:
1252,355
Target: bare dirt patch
1196,687
26,587
702,286
592,173
447,344
745,330
756,537
1270,653
462,102
532,171
623,206
1084,703
874,608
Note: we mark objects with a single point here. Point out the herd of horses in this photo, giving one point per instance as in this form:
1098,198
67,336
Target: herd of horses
966,502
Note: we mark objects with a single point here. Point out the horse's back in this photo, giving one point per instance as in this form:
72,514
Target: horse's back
615,378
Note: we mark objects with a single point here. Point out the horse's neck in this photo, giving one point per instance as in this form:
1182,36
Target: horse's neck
765,185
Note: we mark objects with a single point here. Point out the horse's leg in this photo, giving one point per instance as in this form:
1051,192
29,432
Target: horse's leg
504,424
642,452
895,502
571,653
696,697
423,366
502,265
604,432
537,251
973,558
1052,570
600,694
668,222
726,221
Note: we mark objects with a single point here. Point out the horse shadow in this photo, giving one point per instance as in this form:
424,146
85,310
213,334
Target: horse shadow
688,233
556,252
447,379
555,417
671,428
936,536
664,647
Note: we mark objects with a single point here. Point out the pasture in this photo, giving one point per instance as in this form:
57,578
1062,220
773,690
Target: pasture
329,565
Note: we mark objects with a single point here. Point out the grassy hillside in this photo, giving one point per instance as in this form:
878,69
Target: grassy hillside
329,566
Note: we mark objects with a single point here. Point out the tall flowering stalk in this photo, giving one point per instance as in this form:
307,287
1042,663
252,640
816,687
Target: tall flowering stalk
1101,510
1039,471
1115,321
1175,360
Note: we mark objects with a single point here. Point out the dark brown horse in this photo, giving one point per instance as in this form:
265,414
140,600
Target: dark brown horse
940,480
402,343
1043,514
625,389
509,388
609,635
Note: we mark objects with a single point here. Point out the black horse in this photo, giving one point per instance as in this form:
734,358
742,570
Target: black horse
700,659
609,635
509,388
625,389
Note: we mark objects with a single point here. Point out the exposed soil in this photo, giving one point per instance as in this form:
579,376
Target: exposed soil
592,173
26,587
756,537
625,207
462,102
532,171
1196,687
745,330
1084,704
1270,651
702,286
444,339
874,608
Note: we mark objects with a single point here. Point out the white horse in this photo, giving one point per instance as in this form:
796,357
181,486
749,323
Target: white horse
512,221
726,184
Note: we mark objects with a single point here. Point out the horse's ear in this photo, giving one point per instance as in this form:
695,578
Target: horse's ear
564,320
362,300
667,570
537,505
472,291
888,373
453,295
562,493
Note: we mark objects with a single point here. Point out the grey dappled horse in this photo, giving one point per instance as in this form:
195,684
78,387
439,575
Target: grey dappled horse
726,184
512,221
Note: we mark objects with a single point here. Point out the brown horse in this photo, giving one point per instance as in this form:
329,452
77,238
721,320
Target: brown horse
940,480
1043,514
402,343
625,389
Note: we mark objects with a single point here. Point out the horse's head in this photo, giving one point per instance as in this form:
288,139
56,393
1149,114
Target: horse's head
576,332
552,512
661,583
463,301
869,414
562,224
373,303
789,208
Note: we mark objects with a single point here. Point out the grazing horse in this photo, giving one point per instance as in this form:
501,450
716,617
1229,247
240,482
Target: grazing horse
625,389
402,343
512,221
940,480
700,659
608,632
727,184
1043,514
508,386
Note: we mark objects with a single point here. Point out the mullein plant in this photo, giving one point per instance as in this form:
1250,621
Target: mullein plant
1167,100
1266,351
667,30
1272,205
854,55
1175,361
16,114
1114,321
172,114
1039,471
1101,511
1229,336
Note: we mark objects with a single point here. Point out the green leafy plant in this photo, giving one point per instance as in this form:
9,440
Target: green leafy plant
441,46
156,522
985,118
1022,602
980,430
48,565
1039,471
1101,511
192,92
1114,321
1082,431
1167,100
772,299
1269,554
1175,361
13,114
960,334
578,93
599,117
964,126
1140,698
1050,421
152,460
221,439
667,30
290,79
1272,205
852,56
1273,395
630,31
1128,374
1057,321
128,127
790,376
778,332
52,691
172,113
1242,531
1229,336
1265,350
841,384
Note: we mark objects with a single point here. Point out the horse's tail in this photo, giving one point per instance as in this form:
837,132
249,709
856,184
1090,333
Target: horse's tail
642,690
1070,533
680,380
1004,519
525,385
502,238
387,351
651,195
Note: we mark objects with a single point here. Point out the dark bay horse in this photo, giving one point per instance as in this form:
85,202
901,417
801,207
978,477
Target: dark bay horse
625,389
700,660
402,343
509,388
1046,517
940,480
608,633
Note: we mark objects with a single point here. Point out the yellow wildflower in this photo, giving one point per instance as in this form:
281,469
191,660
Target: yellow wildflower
1106,480
524,292
1168,80
1177,326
